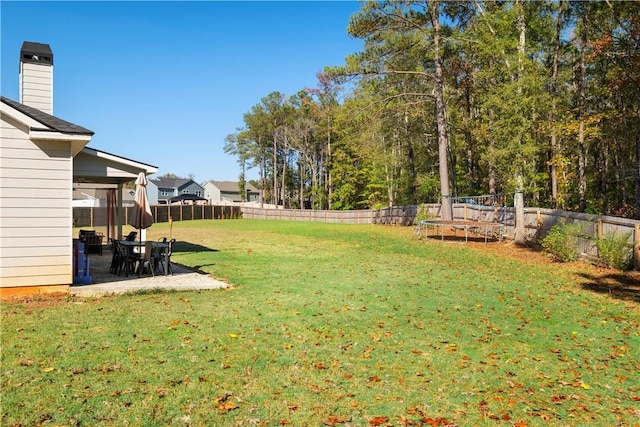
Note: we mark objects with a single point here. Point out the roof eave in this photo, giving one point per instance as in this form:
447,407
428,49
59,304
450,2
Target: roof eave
78,141
149,169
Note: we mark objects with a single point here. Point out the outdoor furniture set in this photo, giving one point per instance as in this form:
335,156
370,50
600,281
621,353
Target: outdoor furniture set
92,241
487,229
138,257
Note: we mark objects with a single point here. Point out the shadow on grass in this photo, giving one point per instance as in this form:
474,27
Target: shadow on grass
625,287
187,247
191,247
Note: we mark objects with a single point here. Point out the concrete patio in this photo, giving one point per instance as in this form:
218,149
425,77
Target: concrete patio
106,283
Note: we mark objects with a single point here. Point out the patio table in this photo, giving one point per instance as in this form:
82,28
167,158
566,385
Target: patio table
155,245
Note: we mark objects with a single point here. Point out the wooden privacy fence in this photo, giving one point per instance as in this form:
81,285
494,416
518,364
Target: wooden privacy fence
96,217
348,217
536,223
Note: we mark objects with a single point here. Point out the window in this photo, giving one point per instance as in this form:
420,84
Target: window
198,193
185,191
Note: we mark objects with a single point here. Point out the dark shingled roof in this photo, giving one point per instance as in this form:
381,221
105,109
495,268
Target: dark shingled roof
50,122
38,53
162,182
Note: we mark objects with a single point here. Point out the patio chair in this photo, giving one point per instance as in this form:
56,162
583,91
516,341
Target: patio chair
169,252
131,236
147,261
158,255
128,259
92,241
117,257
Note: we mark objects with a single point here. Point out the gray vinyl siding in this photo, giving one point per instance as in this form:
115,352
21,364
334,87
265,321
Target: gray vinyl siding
35,209
36,86
192,188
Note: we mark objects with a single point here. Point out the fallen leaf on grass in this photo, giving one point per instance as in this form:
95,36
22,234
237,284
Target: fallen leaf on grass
378,421
435,421
333,421
223,398
227,406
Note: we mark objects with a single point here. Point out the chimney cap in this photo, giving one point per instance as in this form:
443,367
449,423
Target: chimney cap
36,53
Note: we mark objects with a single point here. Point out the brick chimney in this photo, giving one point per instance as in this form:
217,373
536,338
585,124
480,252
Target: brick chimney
36,76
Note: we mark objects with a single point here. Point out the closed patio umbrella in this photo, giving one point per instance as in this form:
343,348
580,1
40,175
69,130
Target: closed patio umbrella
141,217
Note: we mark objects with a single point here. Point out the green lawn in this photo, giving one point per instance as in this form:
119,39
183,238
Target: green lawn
329,324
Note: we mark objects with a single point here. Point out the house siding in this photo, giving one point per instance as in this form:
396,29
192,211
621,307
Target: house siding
36,88
211,192
192,188
35,209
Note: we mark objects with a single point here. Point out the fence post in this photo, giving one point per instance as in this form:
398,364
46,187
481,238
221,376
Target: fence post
636,248
599,229
518,201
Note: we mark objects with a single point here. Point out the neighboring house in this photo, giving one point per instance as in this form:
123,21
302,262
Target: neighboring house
229,191
168,188
41,156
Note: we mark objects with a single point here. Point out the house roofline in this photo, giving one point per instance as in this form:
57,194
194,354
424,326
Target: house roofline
53,123
150,169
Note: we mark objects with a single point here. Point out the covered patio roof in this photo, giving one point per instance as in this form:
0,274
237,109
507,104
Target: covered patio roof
96,166
99,169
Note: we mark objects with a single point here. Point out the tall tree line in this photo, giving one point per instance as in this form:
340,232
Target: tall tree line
453,98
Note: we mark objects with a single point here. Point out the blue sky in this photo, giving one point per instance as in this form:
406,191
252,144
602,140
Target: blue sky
163,83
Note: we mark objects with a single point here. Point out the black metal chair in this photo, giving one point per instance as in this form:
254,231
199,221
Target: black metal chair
128,259
169,252
117,257
146,262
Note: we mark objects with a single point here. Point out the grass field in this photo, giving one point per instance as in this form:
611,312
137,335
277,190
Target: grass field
329,324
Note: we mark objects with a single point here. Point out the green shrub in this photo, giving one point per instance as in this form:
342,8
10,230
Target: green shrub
615,250
562,241
422,213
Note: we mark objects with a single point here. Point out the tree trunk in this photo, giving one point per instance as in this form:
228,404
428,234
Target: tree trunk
521,56
263,160
440,114
582,182
284,170
328,165
554,95
274,194
637,198
301,172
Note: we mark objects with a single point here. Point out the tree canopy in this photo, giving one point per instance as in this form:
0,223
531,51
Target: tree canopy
453,98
